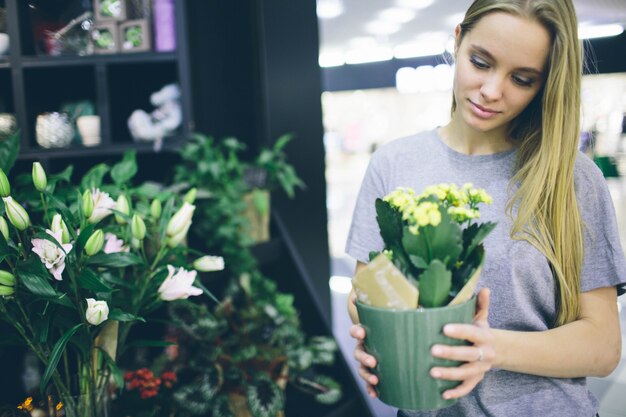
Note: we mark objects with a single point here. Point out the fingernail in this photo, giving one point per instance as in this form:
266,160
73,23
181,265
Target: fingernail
435,373
446,396
437,350
448,328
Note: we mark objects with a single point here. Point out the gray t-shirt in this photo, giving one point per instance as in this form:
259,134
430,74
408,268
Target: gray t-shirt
519,276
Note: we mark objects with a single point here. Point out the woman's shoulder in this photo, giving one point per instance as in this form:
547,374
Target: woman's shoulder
586,173
406,145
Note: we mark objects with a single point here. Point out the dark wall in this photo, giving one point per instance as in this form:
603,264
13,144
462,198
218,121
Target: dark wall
291,94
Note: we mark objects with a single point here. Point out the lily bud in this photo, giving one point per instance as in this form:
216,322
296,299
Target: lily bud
59,224
6,291
94,243
122,206
5,187
87,203
155,209
7,278
16,213
190,197
173,241
39,177
181,219
138,228
4,228
97,311
209,263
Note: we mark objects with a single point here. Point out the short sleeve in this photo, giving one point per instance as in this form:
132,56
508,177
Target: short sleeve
604,263
364,236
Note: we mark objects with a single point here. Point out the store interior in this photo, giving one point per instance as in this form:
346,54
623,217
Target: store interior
289,101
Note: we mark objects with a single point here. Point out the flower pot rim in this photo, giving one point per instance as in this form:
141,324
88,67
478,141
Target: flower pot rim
359,304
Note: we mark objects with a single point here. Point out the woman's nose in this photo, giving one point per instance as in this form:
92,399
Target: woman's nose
492,87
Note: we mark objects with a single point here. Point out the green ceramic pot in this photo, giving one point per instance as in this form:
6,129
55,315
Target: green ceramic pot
400,340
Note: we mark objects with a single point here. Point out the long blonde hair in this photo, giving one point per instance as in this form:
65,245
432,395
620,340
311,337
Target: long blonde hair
547,132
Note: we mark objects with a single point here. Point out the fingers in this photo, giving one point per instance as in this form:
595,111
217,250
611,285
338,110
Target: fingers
357,331
462,353
470,332
482,308
364,358
467,371
463,389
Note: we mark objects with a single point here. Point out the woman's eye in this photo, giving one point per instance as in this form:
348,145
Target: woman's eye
478,63
523,81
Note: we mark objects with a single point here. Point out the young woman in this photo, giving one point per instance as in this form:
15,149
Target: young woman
547,312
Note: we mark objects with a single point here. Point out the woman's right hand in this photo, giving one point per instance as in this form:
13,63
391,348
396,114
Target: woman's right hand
366,361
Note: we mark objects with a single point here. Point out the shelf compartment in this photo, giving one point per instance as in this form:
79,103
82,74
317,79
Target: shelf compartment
62,85
6,92
126,94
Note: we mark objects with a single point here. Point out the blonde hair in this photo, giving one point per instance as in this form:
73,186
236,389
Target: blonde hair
547,134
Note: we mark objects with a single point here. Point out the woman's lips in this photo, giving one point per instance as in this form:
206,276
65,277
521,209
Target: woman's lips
482,112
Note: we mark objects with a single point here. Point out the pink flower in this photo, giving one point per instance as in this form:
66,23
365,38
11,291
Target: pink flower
50,254
113,244
102,205
178,284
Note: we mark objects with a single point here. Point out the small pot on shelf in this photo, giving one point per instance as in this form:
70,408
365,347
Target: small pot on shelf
89,129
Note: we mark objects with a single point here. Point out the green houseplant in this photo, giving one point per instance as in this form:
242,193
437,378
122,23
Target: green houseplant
80,265
433,256
251,343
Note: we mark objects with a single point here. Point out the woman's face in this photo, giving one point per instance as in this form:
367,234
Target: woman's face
500,67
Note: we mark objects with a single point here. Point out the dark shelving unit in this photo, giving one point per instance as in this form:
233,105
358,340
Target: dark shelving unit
32,83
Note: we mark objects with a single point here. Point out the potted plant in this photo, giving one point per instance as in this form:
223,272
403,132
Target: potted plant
422,280
80,265
251,342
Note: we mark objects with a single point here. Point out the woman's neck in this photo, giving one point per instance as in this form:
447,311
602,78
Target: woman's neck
463,139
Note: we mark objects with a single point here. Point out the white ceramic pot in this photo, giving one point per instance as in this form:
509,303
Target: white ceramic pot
54,130
4,44
89,129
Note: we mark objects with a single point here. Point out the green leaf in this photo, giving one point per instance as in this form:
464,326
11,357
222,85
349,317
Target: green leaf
118,376
65,175
120,259
33,274
261,200
418,262
166,215
93,178
390,223
53,361
282,141
119,315
9,149
69,218
90,281
475,234
126,169
331,392
434,285
49,238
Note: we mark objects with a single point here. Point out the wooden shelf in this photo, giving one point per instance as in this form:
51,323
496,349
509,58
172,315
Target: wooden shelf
4,63
129,58
114,149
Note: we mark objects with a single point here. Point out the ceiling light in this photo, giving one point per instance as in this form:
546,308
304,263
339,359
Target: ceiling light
329,9
364,55
381,27
341,285
329,59
398,15
599,31
415,4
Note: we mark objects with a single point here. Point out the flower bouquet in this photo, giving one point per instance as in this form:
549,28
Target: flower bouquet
80,266
423,279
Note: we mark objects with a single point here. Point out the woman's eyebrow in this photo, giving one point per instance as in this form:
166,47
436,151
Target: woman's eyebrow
488,54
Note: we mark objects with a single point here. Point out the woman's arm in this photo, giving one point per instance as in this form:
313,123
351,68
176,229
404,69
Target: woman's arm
589,346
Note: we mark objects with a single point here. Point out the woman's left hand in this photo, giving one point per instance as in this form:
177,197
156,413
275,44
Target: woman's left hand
479,357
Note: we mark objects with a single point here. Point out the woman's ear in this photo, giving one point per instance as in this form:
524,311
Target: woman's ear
457,38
